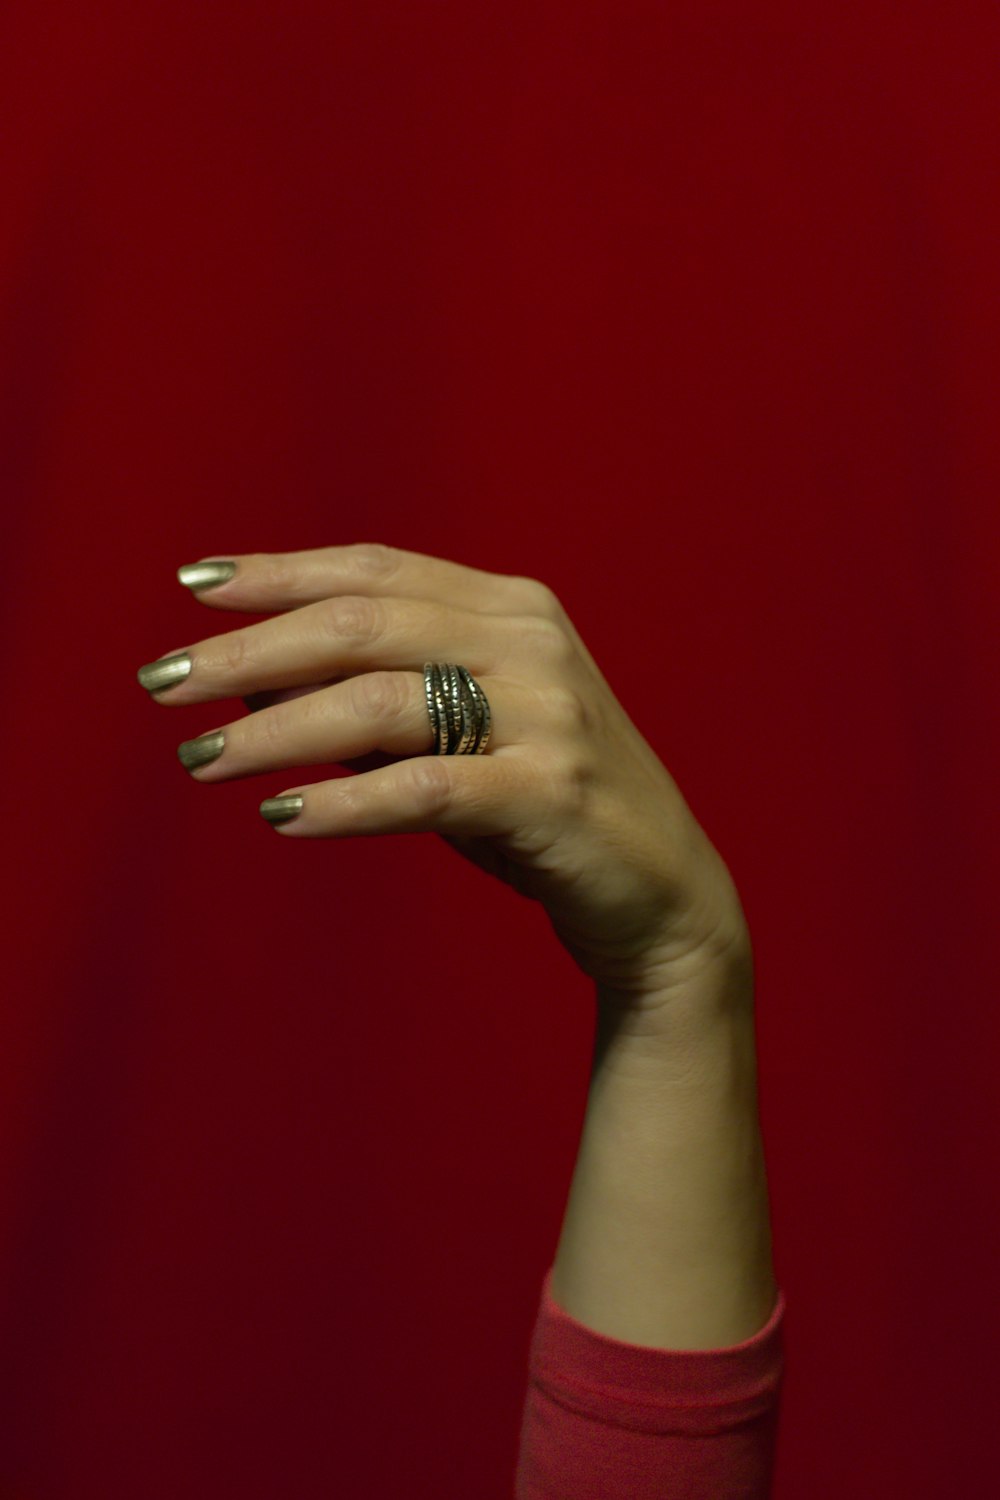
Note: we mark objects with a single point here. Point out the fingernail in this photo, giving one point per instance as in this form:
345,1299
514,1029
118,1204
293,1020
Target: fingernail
201,751
165,671
206,575
281,809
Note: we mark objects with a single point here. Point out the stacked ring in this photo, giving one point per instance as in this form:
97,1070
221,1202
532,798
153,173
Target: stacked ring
458,708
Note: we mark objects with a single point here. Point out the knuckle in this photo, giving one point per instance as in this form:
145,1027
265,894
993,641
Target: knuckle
539,599
380,695
546,641
354,618
374,559
570,778
236,654
274,573
430,784
564,710
350,802
267,731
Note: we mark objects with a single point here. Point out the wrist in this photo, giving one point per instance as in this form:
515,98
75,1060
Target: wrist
680,998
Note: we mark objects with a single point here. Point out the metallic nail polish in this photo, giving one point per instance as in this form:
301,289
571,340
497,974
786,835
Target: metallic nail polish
281,809
165,671
206,575
201,751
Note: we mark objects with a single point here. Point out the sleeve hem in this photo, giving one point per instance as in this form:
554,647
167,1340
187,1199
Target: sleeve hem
653,1389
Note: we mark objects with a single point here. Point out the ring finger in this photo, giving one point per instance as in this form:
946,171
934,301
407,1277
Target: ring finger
377,711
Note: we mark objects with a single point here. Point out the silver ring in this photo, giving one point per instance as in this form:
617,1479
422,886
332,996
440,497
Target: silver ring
458,708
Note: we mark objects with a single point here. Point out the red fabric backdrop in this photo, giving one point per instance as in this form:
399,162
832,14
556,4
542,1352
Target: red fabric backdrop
691,310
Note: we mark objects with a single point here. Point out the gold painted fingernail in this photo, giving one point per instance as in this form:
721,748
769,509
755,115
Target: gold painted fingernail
281,809
165,671
201,751
206,575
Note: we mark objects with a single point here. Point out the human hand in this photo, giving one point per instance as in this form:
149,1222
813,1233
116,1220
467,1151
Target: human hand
569,804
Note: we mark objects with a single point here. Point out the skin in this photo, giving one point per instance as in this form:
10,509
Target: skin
569,804
666,1237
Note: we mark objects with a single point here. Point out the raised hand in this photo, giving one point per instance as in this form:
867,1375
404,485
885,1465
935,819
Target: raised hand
569,804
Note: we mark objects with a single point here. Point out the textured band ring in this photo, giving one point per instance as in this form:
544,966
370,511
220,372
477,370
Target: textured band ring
458,710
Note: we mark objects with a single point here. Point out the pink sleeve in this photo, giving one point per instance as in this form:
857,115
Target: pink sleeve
605,1420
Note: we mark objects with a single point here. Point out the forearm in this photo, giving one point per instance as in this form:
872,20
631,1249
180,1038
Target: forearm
666,1239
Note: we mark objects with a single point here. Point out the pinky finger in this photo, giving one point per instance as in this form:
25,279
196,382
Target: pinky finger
470,795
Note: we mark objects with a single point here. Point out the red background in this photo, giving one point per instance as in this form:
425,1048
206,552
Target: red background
690,310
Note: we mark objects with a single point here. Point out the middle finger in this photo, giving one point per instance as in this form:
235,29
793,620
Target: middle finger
331,639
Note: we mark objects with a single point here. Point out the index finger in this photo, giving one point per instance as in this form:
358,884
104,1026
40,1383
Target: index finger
276,581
